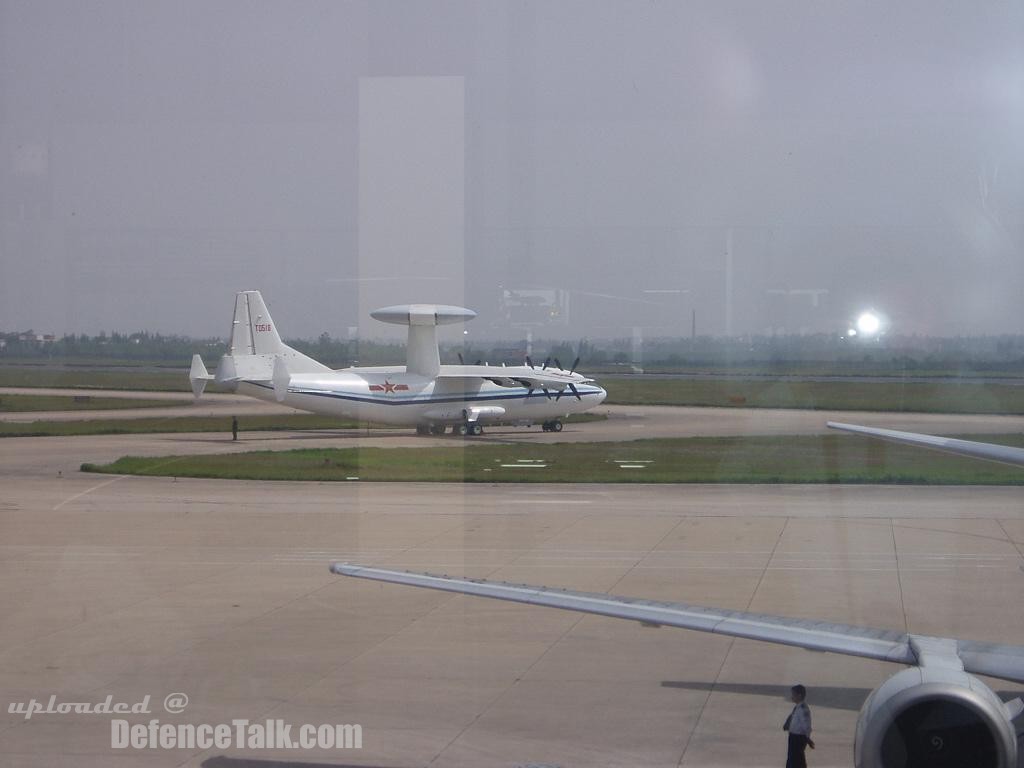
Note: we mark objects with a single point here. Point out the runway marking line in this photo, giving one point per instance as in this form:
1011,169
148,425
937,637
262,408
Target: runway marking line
90,490
111,480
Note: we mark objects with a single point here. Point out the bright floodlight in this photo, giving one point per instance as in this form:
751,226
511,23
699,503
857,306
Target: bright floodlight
868,324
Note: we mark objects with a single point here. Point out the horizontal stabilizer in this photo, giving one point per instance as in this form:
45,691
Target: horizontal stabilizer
281,379
198,376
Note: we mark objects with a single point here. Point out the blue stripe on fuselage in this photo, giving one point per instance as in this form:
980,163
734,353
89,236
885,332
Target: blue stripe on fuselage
415,400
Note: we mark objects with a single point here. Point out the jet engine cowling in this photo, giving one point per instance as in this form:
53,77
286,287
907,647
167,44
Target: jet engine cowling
934,717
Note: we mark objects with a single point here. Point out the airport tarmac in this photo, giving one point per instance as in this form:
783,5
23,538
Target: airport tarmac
219,589
624,422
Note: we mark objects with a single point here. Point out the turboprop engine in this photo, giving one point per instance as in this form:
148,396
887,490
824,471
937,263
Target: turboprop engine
937,716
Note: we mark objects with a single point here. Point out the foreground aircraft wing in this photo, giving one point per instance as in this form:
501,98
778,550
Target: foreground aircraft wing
1002,661
1002,453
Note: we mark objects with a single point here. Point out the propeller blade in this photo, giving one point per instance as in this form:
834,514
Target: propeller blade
559,365
546,393
574,364
461,361
559,395
546,361
529,362
575,391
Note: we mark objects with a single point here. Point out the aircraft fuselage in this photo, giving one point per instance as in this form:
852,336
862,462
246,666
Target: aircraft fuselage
392,396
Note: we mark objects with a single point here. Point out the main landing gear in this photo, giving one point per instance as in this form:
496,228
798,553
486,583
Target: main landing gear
552,426
440,429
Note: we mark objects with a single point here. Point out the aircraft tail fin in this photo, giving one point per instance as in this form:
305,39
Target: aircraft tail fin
252,330
256,349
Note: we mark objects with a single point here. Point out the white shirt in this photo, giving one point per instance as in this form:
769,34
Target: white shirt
800,720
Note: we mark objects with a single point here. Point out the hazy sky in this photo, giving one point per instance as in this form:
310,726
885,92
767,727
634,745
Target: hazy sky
156,157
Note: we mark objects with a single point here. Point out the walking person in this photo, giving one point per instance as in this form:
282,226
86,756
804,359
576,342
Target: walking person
798,725
234,427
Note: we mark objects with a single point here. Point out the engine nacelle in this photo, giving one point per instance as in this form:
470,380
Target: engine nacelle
935,716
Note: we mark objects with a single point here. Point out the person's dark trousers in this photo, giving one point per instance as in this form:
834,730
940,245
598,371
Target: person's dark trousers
795,756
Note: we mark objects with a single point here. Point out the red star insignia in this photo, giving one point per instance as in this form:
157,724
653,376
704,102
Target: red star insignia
388,387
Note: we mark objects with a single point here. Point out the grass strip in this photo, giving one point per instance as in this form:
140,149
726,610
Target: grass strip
821,395
29,403
172,424
777,459
148,381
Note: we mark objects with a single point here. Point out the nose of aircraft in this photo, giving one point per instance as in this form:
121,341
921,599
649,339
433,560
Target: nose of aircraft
602,395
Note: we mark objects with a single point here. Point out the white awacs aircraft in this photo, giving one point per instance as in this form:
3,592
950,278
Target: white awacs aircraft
423,393
937,713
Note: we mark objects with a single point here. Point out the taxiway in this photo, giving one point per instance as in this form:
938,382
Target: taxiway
219,589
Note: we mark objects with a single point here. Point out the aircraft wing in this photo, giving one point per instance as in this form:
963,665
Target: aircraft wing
1005,454
509,376
1002,661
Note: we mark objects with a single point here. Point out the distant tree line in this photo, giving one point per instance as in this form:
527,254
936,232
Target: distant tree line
891,353
141,346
